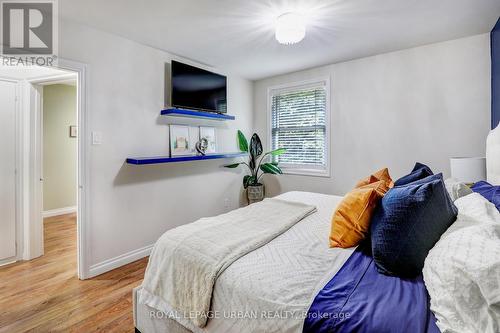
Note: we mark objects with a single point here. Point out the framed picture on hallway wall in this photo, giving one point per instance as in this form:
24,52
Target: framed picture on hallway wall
73,131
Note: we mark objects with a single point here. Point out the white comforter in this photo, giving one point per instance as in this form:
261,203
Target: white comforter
271,288
187,260
462,271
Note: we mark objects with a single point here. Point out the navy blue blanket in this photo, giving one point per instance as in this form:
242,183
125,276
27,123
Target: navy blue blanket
360,299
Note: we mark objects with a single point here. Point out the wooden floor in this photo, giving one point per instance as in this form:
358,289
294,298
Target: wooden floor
45,295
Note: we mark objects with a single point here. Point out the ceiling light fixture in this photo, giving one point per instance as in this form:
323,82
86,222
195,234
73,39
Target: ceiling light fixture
290,28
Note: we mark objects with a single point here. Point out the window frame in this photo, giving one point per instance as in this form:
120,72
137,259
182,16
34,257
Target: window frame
302,169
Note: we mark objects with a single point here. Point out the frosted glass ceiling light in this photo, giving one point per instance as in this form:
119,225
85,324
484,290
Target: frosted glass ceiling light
290,28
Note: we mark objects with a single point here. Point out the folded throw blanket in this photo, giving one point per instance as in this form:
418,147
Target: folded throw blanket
187,260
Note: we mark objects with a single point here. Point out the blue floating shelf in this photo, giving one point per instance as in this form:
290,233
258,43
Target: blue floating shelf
196,114
166,159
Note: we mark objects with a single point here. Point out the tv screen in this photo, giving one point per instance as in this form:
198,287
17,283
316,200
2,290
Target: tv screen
196,88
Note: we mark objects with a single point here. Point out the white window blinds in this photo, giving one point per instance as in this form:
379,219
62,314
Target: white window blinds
299,117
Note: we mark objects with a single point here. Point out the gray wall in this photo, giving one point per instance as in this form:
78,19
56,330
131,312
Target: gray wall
423,104
59,149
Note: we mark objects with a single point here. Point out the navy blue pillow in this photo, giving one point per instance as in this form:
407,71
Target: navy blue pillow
419,171
407,223
490,192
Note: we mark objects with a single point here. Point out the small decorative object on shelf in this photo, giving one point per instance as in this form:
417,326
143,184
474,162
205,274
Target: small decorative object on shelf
201,146
208,133
251,182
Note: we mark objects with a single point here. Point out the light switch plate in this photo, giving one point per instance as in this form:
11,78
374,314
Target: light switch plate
96,138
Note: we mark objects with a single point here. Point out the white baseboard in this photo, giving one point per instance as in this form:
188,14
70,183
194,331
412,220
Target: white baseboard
127,258
8,261
59,211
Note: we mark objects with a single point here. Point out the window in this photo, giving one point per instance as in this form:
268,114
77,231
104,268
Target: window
299,123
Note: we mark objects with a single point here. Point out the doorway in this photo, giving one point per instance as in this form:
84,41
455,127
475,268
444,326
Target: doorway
49,162
59,147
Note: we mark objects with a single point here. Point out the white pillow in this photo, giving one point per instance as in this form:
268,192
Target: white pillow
462,271
493,156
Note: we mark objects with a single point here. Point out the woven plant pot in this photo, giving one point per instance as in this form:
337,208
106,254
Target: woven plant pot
255,193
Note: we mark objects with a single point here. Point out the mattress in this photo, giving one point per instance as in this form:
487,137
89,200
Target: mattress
271,288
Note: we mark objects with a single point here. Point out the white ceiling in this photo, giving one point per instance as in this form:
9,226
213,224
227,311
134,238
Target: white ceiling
238,35
29,72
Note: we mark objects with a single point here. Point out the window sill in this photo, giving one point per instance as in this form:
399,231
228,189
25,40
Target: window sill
306,172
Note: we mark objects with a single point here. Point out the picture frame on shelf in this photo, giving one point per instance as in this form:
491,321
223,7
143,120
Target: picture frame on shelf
194,136
210,134
180,143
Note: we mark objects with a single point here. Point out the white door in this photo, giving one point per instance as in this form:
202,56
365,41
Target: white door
7,170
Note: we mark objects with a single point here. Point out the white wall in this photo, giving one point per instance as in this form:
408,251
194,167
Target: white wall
423,104
131,206
59,148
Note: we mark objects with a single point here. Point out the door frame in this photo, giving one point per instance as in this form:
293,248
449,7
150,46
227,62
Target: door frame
33,225
18,179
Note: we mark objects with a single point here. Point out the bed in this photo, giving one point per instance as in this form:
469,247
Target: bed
290,280
291,267
297,283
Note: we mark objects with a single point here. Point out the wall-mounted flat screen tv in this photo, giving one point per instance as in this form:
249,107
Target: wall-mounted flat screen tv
196,88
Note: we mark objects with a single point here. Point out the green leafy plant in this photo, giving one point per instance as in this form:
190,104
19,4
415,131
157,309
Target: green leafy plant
256,160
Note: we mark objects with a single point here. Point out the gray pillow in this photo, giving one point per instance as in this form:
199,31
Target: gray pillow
456,189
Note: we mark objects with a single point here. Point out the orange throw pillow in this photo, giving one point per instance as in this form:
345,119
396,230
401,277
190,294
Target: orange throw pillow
382,174
351,220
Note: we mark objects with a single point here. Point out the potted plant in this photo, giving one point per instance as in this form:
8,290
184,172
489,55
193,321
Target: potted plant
257,166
